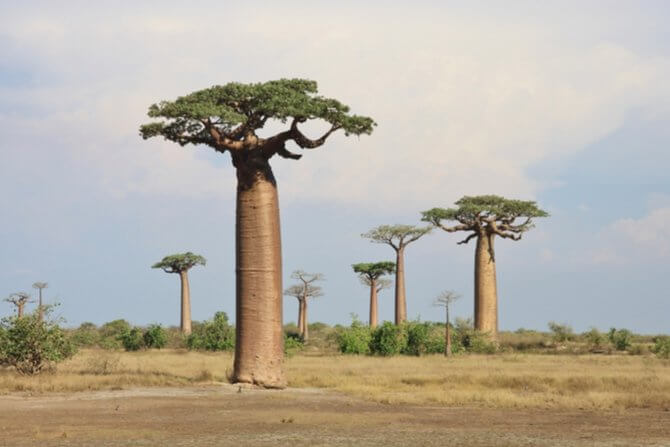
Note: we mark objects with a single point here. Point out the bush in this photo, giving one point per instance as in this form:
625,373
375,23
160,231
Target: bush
132,339
467,338
31,345
417,338
354,339
155,337
661,347
388,339
111,332
620,338
86,335
292,344
215,335
594,338
561,332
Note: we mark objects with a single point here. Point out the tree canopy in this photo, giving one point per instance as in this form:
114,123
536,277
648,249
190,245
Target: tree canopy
302,291
489,213
397,236
226,117
373,270
179,262
306,289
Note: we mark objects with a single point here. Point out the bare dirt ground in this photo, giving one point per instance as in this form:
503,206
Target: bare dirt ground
227,415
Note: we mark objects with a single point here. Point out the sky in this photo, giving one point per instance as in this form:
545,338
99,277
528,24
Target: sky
567,104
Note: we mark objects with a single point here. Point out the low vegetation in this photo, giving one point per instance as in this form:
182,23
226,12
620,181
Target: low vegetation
508,380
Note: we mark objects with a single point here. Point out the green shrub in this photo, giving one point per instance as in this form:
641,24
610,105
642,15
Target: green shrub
86,335
594,338
388,339
292,344
111,332
467,338
30,345
417,338
354,339
155,337
215,335
620,338
132,339
435,341
561,332
661,347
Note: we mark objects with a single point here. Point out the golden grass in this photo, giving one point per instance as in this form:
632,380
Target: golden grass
508,381
505,381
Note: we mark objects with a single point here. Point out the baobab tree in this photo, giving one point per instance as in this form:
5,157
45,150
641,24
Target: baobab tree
181,263
486,217
303,291
40,285
398,237
445,299
229,119
19,300
371,274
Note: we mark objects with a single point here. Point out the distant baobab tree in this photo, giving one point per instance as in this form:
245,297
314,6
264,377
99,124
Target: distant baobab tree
19,300
398,237
181,263
371,274
486,217
40,285
227,119
304,291
445,299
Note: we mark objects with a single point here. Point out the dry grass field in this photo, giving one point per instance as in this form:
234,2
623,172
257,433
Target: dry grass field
594,382
181,398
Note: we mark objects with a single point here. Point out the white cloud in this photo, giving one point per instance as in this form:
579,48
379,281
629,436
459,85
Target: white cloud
465,104
634,241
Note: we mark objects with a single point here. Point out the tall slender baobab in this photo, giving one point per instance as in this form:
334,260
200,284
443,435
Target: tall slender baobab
181,263
303,291
40,285
19,299
398,237
227,118
444,299
371,274
486,217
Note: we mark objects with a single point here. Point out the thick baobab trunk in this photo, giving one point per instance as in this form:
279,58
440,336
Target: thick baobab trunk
40,309
447,334
400,299
19,310
486,295
305,325
185,303
301,321
259,347
373,304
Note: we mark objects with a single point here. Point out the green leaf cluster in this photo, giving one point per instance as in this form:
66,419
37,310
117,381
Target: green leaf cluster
249,105
179,262
374,270
486,206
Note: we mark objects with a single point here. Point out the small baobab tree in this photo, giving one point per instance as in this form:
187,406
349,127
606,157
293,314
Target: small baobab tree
303,291
230,119
445,299
181,263
19,300
398,237
40,285
486,217
371,274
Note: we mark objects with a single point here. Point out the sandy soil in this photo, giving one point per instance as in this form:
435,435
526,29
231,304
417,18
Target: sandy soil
229,415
